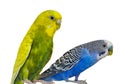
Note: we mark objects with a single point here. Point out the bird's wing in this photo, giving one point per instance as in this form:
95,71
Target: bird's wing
66,62
22,55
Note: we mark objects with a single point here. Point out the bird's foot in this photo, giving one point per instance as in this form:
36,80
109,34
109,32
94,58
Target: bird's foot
29,82
78,82
44,82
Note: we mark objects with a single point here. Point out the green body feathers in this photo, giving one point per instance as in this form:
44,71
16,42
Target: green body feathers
36,47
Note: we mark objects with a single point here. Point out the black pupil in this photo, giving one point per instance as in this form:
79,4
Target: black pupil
104,45
51,17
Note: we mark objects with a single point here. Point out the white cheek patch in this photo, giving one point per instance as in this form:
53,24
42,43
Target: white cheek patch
103,55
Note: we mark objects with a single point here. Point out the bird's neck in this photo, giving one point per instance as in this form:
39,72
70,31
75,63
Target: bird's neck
41,31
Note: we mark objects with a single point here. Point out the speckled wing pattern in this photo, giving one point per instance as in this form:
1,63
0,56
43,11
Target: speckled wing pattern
66,62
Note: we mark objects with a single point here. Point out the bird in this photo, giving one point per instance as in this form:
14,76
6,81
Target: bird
36,47
75,61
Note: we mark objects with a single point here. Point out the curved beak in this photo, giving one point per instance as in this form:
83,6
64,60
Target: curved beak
58,22
110,50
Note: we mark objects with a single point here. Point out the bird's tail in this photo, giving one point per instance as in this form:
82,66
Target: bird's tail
17,81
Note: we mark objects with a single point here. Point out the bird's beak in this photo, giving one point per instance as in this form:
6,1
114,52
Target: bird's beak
58,24
110,50
58,21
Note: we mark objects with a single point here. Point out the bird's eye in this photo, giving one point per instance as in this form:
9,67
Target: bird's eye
52,17
104,45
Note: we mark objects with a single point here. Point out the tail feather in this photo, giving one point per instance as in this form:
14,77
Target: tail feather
17,81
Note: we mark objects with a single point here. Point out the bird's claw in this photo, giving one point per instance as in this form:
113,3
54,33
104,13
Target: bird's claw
44,82
78,82
29,82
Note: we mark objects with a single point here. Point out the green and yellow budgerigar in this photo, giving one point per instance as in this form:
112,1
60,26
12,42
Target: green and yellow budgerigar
36,48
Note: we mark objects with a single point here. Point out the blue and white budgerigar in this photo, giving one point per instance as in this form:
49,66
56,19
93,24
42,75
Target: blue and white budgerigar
76,60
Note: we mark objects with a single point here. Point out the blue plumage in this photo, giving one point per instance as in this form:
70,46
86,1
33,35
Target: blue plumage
85,61
76,60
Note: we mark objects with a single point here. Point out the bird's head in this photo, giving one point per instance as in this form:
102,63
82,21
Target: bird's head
102,48
50,21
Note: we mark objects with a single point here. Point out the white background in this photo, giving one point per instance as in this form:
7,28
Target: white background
83,21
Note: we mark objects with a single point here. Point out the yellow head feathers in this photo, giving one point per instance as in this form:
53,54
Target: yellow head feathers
50,20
